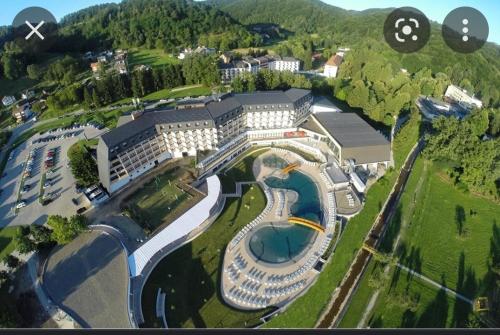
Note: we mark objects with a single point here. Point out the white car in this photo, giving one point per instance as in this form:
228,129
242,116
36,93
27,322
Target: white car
21,205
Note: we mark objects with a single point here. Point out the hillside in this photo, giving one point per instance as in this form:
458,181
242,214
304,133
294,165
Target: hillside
338,27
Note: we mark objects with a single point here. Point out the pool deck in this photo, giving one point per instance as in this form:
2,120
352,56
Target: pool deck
248,283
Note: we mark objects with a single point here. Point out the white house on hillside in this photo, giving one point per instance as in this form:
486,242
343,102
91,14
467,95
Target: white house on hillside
332,66
459,95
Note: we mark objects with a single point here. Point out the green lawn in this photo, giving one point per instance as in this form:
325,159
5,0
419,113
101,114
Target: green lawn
7,244
406,139
190,276
432,308
179,92
427,219
151,57
450,234
306,310
160,201
241,170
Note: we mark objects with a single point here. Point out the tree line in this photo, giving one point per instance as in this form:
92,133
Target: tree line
471,149
112,86
265,80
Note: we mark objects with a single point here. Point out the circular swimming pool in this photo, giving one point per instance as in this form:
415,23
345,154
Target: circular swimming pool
279,244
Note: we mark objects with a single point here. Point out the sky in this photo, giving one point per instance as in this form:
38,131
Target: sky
435,10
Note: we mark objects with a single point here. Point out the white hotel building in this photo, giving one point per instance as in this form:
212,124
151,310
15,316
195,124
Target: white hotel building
253,65
223,127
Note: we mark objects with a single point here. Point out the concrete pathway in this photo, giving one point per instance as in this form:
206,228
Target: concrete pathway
60,317
436,284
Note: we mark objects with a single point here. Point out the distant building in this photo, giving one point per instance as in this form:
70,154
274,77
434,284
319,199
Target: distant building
8,100
22,111
28,94
96,67
253,65
143,67
285,64
102,59
461,96
332,65
226,58
121,61
201,50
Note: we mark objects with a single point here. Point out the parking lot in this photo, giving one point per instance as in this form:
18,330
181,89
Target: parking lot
60,185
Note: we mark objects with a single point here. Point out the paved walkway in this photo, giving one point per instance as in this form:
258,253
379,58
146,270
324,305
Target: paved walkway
435,284
60,317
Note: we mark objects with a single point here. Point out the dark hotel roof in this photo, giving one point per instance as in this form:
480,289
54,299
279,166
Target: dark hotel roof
350,130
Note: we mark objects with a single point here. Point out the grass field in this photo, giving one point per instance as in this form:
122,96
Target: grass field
449,235
428,219
179,92
241,170
160,201
431,308
151,57
7,244
406,139
190,276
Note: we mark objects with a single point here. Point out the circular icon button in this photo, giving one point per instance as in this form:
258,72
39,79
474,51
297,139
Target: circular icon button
34,29
406,29
465,29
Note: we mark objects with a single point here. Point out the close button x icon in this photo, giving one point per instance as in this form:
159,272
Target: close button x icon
34,30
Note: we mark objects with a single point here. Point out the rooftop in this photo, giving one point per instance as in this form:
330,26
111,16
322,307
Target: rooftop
350,130
334,60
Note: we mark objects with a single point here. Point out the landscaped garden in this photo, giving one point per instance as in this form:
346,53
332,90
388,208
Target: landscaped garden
160,201
241,170
190,276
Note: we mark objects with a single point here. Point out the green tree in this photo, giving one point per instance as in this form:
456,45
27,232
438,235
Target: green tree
11,261
83,166
64,230
34,71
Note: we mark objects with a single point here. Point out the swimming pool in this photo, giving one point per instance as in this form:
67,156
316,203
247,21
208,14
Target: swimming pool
279,244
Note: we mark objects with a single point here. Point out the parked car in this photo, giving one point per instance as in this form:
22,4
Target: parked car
21,205
74,201
81,210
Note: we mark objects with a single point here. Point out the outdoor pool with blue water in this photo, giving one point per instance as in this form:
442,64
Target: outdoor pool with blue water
279,244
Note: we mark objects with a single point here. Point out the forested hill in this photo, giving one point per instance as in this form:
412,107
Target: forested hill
166,24
309,16
328,27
